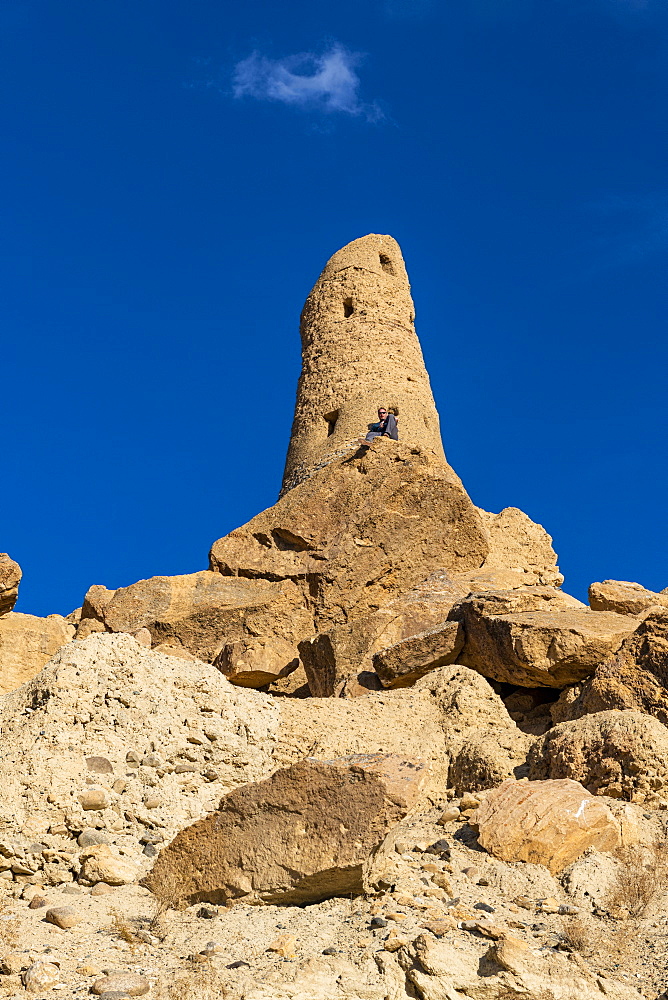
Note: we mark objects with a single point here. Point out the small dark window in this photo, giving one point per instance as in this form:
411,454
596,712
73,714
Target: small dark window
331,419
386,264
348,307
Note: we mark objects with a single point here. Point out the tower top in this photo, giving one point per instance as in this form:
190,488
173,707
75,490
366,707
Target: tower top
359,351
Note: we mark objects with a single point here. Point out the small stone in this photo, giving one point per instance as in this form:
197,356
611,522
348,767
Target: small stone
95,798
238,965
152,801
14,962
451,815
119,786
89,837
395,915
185,768
151,760
489,930
472,873
439,927
40,977
524,902
101,889
284,945
567,910
212,948
468,802
331,951
150,851
88,970
210,774
441,847
441,880
394,943
378,922
147,938
101,863
37,902
207,912
549,905
133,758
64,917
100,765
129,983
143,637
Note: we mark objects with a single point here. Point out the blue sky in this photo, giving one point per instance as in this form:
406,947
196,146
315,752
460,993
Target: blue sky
174,177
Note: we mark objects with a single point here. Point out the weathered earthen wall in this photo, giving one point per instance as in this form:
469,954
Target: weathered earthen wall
359,351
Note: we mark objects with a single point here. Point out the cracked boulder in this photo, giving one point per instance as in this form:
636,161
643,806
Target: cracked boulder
307,833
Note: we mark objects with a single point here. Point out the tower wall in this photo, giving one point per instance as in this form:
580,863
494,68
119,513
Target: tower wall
359,351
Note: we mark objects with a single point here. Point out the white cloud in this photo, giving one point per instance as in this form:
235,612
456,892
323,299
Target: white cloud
327,82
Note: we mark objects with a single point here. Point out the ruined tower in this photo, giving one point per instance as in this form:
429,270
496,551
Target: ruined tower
359,351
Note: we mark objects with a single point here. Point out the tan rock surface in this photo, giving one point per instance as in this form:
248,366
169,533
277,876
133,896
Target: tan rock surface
361,532
26,644
624,597
550,823
520,553
10,578
551,646
95,602
254,662
303,835
361,299
409,659
202,611
619,754
635,677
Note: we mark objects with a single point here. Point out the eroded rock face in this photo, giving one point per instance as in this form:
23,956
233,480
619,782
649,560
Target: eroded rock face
635,677
26,644
520,553
303,835
549,823
203,611
624,597
362,531
10,578
535,637
620,754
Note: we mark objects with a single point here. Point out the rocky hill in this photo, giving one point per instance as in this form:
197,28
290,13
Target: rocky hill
372,752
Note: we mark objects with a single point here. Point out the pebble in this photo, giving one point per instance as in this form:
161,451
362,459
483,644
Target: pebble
238,965
89,837
37,902
100,765
472,873
40,977
450,815
123,983
549,905
152,801
94,798
14,962
151,760
567,910
101,889
64,917
439,927
439,847
378,922
441,880
212,948
394,943
468,802
207,912
331,951
284,945
483,906
150,851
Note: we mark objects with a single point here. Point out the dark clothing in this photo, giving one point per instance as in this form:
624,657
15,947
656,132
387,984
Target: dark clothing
384,428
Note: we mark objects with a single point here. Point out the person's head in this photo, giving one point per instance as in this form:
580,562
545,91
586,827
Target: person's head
382,412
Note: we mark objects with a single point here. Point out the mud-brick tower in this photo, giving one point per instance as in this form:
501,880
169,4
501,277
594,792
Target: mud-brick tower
359,351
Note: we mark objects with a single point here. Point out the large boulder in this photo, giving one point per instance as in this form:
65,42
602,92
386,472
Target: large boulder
27,643
635,677
619,754
520,553
409,659
536,636
549,823
251,662
10,577
361,531
624,597
203,611
303,835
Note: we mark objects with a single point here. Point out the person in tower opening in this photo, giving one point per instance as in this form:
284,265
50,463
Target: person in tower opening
386,427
